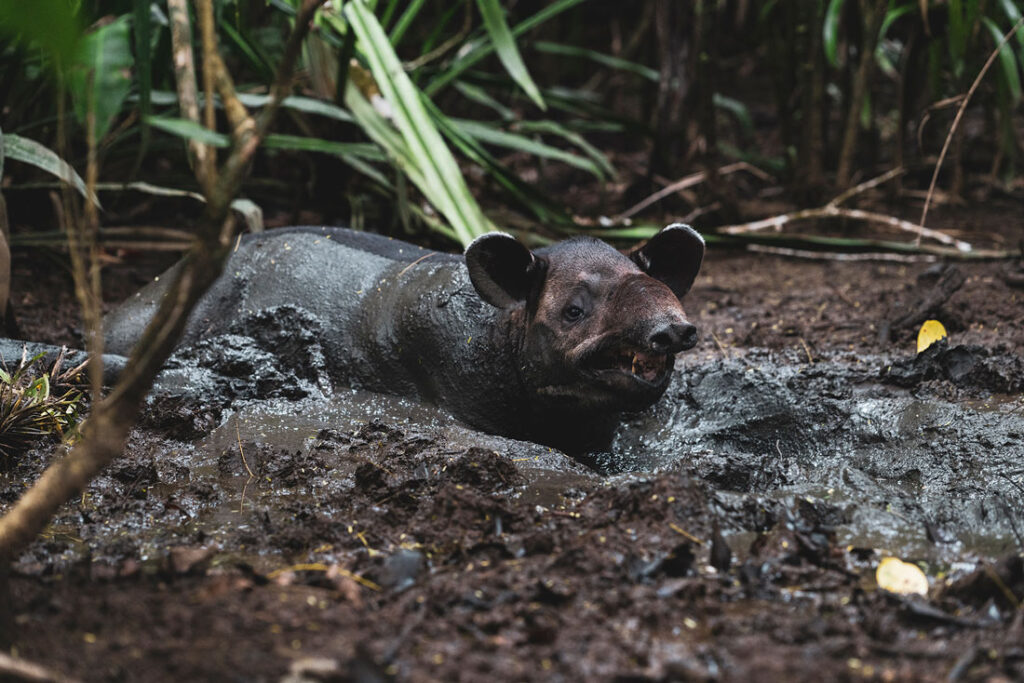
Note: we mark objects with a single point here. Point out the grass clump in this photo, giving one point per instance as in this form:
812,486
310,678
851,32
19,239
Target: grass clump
35,403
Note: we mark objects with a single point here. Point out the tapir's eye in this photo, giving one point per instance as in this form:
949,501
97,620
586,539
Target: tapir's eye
572,313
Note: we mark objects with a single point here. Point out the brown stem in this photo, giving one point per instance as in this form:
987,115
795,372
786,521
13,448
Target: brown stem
185,76
861,82
107,427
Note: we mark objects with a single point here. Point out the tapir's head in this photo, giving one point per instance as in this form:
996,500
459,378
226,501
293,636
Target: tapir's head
600,328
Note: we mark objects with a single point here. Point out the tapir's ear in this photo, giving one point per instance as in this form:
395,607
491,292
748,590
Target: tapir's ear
673,256
502,270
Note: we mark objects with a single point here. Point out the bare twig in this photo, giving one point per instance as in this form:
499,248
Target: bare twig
683,183
867,185
832,211
14,669
837,256
956,121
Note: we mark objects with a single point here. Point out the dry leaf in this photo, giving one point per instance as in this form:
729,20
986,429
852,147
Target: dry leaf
931,332
903,578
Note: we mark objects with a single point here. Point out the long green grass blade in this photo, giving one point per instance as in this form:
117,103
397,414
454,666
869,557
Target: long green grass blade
481,50
190,130
505,45
444,185
299,143
1007,60
405,21
571,136
830,31
601,58
531,199
481,96
521,143
31,152
143,32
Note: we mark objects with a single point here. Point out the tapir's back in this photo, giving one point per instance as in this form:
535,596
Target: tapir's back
323,270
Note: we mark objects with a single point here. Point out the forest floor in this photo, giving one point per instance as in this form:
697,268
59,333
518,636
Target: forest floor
382,547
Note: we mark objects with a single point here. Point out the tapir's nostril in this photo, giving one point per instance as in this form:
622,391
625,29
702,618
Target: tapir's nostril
673,338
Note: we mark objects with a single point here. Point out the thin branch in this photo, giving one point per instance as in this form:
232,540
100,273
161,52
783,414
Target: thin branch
832,211
684,183
956,121
12,668
185,77
867,185
841,256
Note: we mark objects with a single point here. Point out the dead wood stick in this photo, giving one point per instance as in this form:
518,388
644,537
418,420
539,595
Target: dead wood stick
30,672
682,184
867,185
833,211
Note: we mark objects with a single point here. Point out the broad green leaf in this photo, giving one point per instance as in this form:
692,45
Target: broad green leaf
1007,60
737,109
1013,13
101,75
31,152
598,57
830,30
444,185
53,25
481,50
191,130
508,53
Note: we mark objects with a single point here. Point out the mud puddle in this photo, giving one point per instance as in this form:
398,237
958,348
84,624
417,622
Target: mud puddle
894,469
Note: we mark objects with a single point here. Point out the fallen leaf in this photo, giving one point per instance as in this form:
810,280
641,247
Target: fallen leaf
903,578
931,332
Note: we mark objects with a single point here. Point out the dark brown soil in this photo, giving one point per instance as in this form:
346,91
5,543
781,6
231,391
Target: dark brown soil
426,560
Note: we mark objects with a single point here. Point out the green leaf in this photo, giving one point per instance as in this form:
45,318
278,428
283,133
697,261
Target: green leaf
521,143
405,21
442,179
191,130
307,144
571,136
598,57
1007,60
31,152
483,49
830,30
508,53
53,25
737,109
957,35
481,96
101,75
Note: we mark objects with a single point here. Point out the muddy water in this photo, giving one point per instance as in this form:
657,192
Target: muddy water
919,469
898,469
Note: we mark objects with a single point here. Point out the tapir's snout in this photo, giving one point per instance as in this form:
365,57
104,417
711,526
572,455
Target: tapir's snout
673,337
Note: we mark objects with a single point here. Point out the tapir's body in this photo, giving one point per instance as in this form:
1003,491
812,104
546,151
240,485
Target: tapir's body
403,320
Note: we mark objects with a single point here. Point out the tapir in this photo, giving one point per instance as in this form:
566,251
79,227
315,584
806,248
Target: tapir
551,345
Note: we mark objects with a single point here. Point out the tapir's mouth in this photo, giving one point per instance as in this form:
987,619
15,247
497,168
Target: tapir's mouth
645,366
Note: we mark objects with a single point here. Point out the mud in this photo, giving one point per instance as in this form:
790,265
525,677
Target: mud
263,521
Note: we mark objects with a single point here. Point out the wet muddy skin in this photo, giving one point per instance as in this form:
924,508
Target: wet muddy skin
263,521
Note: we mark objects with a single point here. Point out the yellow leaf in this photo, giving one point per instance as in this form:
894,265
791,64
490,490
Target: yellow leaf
904,578
931,332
